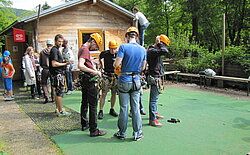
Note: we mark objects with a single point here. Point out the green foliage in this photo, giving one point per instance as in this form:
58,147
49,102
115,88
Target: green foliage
7,17
238,55
233,55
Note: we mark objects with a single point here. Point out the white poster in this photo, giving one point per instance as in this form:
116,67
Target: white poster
15,48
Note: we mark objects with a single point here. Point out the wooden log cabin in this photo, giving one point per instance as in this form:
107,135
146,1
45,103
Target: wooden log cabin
75,20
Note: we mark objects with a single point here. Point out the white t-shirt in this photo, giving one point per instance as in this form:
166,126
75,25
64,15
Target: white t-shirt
142,19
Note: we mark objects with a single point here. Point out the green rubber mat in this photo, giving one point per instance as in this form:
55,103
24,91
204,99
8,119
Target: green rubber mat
210,125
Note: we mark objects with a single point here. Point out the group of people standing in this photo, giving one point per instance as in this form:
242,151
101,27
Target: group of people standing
120,72
130,59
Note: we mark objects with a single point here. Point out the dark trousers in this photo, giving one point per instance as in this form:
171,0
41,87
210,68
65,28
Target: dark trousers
32,90
89,100
38,83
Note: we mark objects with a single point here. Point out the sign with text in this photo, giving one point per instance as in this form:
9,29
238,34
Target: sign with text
19,35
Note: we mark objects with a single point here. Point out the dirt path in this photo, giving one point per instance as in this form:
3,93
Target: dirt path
20,135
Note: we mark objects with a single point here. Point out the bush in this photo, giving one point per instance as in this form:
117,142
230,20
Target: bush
192,58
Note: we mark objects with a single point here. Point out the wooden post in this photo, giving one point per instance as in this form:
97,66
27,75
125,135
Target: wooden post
223,44
37,29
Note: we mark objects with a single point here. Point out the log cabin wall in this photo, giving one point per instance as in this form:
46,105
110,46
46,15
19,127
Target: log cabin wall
71,22
83,16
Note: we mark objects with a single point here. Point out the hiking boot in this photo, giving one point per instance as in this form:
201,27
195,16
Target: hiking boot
98,133
113,113
143,112
63,114
155,123
117,135
158,116
100,114
139,137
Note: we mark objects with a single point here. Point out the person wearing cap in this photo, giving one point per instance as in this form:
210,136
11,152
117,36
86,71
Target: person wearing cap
89,87
7,73
156,72
143,23
57,69
132,58
109,80
5,54
44,63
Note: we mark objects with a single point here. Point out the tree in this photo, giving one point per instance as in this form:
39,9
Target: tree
7,15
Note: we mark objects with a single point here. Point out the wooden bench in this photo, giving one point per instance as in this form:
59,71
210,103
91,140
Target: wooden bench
171,73
203,78
228,78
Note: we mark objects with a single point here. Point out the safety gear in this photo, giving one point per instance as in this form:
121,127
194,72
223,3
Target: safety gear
118,69
6,53
113,44
97,38
49,42
132,29
164,39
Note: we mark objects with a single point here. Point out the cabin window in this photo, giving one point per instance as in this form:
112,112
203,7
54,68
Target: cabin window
84,34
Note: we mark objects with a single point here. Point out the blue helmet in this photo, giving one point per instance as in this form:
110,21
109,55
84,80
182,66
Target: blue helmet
6,53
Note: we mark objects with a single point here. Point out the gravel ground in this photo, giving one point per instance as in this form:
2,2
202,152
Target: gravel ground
238,94
26,124
19,135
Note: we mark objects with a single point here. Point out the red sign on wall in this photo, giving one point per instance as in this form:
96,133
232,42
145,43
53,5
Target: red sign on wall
19,35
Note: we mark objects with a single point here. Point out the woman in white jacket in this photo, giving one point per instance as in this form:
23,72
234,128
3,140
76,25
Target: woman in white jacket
30,70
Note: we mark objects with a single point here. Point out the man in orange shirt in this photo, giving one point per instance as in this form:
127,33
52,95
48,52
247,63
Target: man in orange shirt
7,73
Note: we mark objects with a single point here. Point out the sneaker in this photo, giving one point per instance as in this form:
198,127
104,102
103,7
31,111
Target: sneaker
57,111
117,135
8,98
139,137
113,113
63,114
69,92
143,112
155,123
100,114
98,133
46,101
158,116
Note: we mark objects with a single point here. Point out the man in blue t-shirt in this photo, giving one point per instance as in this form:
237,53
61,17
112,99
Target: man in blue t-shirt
132,58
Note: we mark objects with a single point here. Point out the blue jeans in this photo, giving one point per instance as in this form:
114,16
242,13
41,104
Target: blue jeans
153,101
142,30
69,78
126,94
